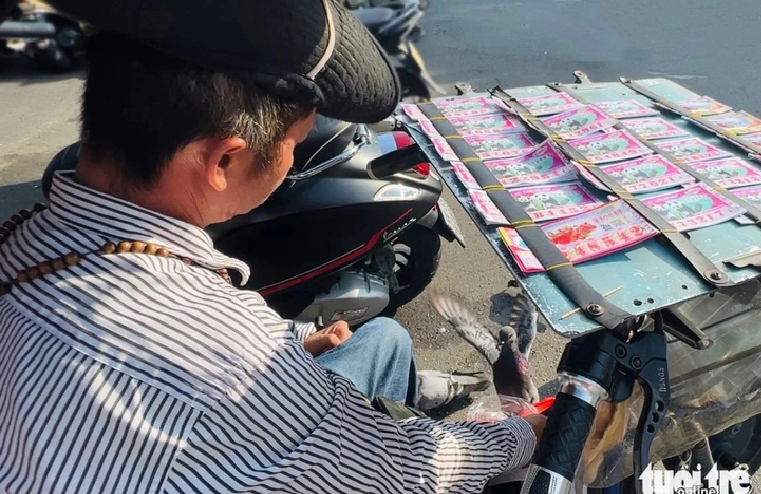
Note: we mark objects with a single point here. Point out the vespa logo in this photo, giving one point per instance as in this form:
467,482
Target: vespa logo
393,233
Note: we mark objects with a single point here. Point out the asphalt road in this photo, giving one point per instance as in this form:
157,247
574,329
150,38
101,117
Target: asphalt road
710,47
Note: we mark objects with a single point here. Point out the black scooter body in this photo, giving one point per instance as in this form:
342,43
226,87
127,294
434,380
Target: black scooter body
310,229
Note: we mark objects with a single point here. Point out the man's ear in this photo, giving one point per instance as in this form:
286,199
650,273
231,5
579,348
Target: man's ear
221,154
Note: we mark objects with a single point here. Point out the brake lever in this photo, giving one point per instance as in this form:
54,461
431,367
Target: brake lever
654,379
644,360
601,365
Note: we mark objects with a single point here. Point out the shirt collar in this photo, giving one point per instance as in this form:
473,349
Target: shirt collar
117,219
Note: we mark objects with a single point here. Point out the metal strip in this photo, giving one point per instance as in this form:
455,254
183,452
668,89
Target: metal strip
704,266
557,266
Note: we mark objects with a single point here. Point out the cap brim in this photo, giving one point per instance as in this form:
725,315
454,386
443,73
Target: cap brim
275,43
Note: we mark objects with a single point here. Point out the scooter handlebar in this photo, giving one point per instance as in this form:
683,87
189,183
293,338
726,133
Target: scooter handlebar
559,451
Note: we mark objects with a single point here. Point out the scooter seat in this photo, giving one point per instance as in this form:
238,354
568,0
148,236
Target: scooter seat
375,17
328,138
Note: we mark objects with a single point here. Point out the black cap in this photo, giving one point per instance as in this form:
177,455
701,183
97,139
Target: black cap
312,51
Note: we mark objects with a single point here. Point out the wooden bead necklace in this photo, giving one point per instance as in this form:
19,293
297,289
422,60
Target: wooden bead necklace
72,259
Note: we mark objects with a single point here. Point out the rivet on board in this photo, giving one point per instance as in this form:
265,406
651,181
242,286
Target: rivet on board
58,264
138,247
715,276
108,248
150,249
17,218
71,259
162,252
26,214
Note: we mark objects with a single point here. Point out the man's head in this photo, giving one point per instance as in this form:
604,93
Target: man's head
255,69
153,126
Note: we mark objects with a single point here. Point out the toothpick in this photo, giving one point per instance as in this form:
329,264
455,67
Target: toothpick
578,309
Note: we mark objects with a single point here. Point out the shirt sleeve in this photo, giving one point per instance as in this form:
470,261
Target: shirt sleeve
293,427
302,329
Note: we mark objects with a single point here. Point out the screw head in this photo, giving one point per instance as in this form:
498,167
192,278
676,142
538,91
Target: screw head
595,310
620,351
715,275
636,362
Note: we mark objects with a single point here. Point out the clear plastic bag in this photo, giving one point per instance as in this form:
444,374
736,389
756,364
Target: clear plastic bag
494,408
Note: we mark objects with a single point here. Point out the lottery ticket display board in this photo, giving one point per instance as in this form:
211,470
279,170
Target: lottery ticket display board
606,200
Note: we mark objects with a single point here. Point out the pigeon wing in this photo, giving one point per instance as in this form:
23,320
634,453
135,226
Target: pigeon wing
467,326
525,327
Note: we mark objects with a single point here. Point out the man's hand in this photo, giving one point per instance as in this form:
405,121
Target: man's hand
537,422
327,339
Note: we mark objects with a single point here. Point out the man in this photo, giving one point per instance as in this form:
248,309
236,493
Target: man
128,363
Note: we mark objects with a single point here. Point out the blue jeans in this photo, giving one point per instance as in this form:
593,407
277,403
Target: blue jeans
378,360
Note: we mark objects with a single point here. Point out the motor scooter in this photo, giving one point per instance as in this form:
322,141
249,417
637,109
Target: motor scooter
393,28
353,232
48,37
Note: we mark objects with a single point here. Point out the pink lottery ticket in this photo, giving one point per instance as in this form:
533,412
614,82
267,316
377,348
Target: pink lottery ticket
754,138
704,105
468,105
693,207
550,202
585,173
749,194
654,128
648,174
443,148
626,109
487,147
541,203
736,122
692,150
549,104
752,195
501,145
579,122
606,229
481,125
540,166
487,124
486,208
412,111
610,146
729,172
464,176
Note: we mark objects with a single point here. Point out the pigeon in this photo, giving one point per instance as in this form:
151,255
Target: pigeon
507,354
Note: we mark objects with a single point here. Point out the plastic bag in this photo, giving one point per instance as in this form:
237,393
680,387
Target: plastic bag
495,408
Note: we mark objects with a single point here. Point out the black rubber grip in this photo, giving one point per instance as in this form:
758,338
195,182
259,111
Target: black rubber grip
564,436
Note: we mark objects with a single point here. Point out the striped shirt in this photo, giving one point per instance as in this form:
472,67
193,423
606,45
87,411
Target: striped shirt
133,373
